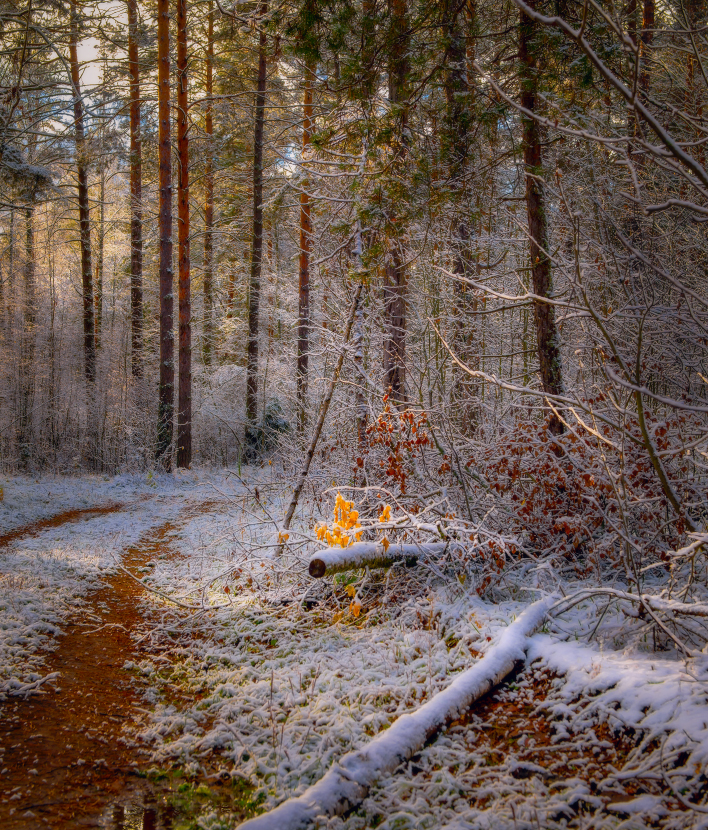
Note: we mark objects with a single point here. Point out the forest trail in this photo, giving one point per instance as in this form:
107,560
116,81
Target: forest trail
63,518
66,761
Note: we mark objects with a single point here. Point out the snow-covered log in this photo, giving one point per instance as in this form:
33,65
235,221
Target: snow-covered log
368,555
348,782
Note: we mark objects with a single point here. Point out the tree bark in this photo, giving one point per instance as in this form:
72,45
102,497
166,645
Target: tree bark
368,49
27,367
631,14
360,396
303,327
254,284
136,208
694,101
11,275
370,555
99,256
547,340
184,403
83,194
648,24
209,195
456,141
395,275
166,394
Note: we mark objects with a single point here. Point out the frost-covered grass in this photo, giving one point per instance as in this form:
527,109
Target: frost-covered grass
601,746
27,499
45,578
279,677
282,692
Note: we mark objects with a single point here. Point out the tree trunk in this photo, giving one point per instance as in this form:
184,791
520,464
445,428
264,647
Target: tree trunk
166,399
368,49
360,396
646,42
209,198
303,326
83,194
631,14
456,140
136,208
27,367
254,284
694,10
11,275
547,340
184,403
99,257
395,276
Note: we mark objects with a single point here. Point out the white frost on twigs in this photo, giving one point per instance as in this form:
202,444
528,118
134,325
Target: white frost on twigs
348,782
26,689
368,554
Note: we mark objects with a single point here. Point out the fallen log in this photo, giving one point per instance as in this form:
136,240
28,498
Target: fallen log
368,555
348,782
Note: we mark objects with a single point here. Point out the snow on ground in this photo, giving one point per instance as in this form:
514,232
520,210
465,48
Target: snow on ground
282,693
281,678
27,499
605,744
44,578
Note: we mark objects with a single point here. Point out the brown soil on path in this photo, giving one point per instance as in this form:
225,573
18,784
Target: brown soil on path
57,520
63,759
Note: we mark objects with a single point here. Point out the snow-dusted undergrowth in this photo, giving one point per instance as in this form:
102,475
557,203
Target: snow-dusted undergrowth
284,679
282,693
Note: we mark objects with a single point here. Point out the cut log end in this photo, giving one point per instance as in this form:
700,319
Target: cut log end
317,568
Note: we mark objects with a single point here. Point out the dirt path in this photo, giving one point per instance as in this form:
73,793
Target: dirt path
59,519
63,760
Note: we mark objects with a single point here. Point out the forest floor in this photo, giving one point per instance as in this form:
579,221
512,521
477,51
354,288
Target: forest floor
159,669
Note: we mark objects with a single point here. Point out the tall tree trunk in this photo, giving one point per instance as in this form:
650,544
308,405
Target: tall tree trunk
136,208
646,42
11,275
694,93
27,367
99,256
184,403
456,141
209,197
368,49
395,276
631,14
83,193
303,326
254,284
360,396
547,340
166,394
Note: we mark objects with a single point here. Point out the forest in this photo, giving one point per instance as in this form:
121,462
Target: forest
354,414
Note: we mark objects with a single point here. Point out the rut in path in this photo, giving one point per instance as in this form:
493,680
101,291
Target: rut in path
63,760
56,521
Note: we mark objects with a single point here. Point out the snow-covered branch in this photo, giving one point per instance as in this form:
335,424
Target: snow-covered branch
348,782
368,555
